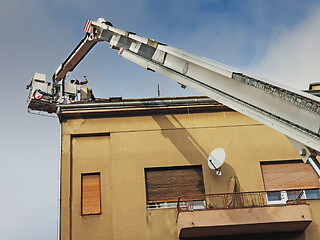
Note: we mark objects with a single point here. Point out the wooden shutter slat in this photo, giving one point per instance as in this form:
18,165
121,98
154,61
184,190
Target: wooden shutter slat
167,184
284,176
91,202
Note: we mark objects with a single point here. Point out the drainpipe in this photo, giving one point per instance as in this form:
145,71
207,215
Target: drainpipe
314,164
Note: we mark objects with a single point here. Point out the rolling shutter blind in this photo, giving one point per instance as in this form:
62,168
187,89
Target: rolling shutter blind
283,176
167,184
90,194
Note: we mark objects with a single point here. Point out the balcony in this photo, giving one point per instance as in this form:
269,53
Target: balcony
239,213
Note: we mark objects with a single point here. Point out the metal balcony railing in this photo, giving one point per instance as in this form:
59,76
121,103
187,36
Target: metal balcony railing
229,201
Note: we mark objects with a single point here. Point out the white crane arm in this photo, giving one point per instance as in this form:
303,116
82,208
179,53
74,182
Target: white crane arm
293,113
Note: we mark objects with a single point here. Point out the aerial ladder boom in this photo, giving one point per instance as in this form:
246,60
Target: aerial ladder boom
293,113
74,58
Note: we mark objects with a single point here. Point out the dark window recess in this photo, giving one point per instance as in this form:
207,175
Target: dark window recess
168,183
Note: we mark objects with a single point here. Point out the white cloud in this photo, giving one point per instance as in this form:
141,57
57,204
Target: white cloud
293,57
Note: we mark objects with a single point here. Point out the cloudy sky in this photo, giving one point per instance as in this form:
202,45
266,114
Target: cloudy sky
276,39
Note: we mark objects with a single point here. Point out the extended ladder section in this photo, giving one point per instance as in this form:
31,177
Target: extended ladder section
293,113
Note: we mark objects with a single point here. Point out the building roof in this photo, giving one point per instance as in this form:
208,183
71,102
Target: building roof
142,106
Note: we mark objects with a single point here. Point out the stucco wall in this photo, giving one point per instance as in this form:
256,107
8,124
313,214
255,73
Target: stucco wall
120,148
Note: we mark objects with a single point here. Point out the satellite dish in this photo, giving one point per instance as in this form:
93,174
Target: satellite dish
216,158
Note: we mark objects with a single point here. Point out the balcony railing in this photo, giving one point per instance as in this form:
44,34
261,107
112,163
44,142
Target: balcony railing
230,201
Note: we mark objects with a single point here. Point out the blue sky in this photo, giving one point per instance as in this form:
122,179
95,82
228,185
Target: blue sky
276,39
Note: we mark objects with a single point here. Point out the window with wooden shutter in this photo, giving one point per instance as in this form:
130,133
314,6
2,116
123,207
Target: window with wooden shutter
166,184
90,194
289,175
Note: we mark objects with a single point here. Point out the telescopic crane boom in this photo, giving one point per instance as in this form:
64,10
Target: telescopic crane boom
293,113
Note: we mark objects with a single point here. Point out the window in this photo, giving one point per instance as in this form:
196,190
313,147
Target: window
312,193
274,196
289,175
284,179
164,185
90,194
292,195
281,197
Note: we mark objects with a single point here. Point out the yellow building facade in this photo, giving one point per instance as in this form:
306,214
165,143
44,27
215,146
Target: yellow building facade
124,164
